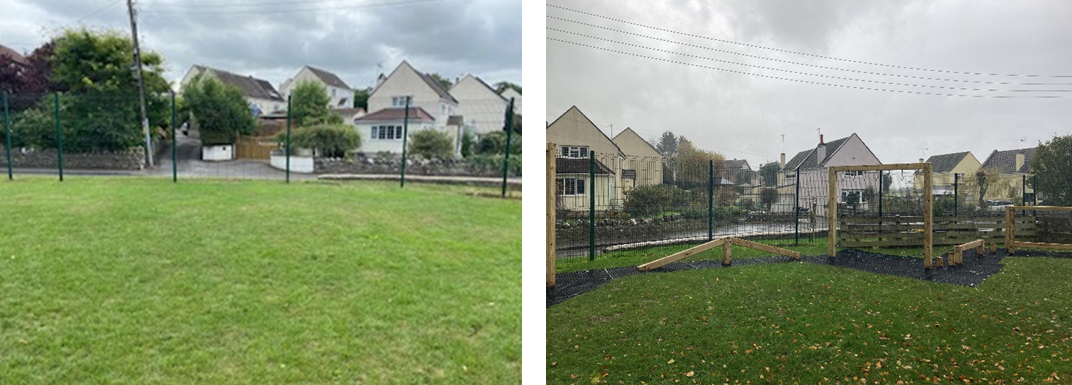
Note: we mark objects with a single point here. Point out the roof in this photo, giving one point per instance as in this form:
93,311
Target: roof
442,92
945,162
14,55
724,182
1005,161
348,111
806,159
733,165
397,114
328,78
249,85
589,122
579,166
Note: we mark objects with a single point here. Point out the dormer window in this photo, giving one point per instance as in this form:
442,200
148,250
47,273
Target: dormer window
580,152
399,101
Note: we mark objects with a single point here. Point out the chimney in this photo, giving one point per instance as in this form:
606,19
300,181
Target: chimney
783,160
820,152
921,160
1019,162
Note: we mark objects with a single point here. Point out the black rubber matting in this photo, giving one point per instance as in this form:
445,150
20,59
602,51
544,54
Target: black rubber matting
975,269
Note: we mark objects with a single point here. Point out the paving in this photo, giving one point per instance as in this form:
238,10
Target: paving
975,269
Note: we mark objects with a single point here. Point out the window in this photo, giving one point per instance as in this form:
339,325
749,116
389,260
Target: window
386,133
399,101
570,186
575,152
333,92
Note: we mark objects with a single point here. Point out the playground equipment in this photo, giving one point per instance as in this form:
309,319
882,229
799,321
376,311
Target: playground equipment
1010,229
726,244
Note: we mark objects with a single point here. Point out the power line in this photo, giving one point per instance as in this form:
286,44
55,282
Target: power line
801,63
803,73
796,52
289,10
99,10
800,80
246,4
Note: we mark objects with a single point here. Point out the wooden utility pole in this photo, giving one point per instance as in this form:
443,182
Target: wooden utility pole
141,83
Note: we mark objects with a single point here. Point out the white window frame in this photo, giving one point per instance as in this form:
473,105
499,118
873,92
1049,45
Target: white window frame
572,184
385,132
575,152
400,101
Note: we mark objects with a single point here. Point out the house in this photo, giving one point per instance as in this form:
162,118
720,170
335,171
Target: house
1014,166
580,140
482,109
943,170
733,166
342,96
349,115
16,58
811,167
643,164
262,97
423,91
383,129
572,176
512,93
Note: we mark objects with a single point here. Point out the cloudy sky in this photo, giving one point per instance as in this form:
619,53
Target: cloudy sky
912,46
273,39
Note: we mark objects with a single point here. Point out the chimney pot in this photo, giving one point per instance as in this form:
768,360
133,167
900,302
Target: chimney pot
820,138
783,160
921,160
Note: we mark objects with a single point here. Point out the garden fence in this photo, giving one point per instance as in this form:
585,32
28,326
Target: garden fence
65,135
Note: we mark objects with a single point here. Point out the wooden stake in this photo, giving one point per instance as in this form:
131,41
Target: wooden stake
551,207
768,248
831,214
726,251
928,216
681,255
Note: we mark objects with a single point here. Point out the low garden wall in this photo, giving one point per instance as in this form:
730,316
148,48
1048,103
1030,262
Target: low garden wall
392,164
133,159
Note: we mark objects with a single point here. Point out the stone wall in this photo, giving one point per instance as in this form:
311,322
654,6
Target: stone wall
392,164
133,159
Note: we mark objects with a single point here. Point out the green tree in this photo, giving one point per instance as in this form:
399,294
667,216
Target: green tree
693,165
1052,166
309,105
468,142
768,196
869,194
95,68
744,176
220,110
431,144
495,143
361,98
985,180
444,82
887,181
502,86
667,145
769,173
332,141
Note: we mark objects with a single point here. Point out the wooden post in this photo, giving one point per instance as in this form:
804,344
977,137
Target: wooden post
993,247
831,214
726,260
938,260
1010,229
682,255
981,250
551,207
928,216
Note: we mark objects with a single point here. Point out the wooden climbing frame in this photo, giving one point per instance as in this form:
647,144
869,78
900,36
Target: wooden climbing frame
1010,229
957,256
726,244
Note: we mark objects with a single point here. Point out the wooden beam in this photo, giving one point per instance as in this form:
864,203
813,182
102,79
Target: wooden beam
831,213
928,216
727,250
551,207
681,255
880,167
1010,229
1040,245
1040,208
768,248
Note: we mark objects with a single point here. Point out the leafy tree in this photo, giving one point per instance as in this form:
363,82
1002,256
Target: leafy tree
744,176
653,200
769,173
95,68
694,164
495,143
27,84
332,141
667,145
984,180
442,80
309,104
468,142
1052,166
869,194
502,86
220,110
431,144
887,181
852,199
768,196
361,98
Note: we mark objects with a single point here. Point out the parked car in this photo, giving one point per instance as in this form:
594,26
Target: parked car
998,205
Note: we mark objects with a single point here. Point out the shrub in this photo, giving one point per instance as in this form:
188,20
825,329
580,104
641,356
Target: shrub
332,141
647,201
493,164
431,144
495,143
220,109
468,142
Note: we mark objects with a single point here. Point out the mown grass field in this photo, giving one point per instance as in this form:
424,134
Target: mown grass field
128,280
806,323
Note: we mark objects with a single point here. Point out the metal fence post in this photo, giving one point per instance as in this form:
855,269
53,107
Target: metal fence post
174,141
591,206
880,194
796,204
7,130
956,190
405,138
59,136
1023,193
711,200
509,131
286,150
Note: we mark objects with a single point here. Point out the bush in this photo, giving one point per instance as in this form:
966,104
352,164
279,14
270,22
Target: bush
495,143
468,142
647,201
747,204
431,144
331,141
492,165
34,128
221,110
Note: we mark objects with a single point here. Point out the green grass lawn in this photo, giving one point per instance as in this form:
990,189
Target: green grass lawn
806,323
128,280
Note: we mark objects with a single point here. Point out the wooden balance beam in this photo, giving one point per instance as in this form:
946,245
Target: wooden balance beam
726,252
957,256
